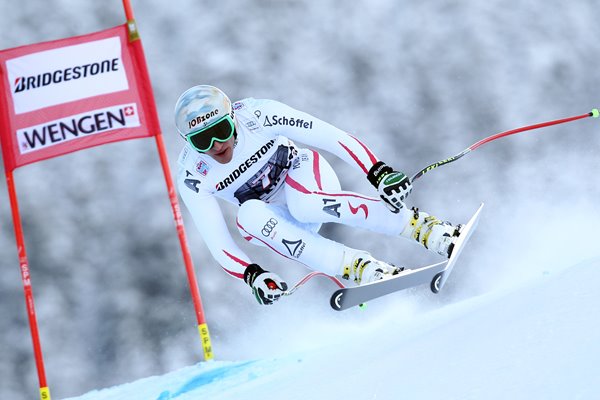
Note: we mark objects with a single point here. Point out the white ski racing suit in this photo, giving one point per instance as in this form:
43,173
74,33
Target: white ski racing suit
285,192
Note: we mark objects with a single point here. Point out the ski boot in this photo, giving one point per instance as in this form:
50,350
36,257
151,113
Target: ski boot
362,267
435,235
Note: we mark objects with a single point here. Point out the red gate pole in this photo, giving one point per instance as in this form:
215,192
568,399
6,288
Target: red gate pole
26,277
187,258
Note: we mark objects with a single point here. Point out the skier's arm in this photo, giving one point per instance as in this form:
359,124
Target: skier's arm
267,287
393,186
209,220
299,126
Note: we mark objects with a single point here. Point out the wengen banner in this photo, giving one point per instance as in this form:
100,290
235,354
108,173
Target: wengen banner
66,95
71,94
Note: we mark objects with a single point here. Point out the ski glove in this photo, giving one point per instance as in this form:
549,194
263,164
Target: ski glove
393,186
266,286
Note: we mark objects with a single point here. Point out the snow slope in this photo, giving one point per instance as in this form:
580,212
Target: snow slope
540,340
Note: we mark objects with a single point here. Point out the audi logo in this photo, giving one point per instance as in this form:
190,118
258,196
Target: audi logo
268,228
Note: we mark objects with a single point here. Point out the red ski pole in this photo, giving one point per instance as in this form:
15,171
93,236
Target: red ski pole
308,277
594,113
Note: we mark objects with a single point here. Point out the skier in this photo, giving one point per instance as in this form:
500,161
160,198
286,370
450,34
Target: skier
245,153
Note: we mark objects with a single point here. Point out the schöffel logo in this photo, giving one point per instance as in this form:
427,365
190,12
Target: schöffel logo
65,74
297,122
62,130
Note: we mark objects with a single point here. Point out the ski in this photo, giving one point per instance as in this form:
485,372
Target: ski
348,297
465,234
434,274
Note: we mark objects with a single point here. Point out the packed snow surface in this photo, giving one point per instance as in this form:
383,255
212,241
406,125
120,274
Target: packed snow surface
538,340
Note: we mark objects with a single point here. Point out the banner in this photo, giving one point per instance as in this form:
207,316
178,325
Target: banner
71,94
66,95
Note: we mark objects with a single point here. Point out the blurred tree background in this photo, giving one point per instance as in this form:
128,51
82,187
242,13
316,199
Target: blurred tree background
417,81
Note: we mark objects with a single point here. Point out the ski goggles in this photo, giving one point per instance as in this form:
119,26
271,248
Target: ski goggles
220,131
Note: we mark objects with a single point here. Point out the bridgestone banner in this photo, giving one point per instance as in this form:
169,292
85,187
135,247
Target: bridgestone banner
71,94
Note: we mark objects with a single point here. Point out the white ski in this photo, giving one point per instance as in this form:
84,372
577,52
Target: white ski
434,274
353,296
465,234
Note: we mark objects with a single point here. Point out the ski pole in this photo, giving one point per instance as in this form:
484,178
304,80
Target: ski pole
594,113
309,277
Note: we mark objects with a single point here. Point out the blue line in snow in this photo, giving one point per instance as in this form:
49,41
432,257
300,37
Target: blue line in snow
204,379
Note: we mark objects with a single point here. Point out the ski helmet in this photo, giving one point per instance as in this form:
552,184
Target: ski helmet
198,110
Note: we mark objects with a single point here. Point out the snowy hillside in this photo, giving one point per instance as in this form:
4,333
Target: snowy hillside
540,340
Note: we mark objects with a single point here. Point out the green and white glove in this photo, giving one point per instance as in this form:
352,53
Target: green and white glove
266,286
393,186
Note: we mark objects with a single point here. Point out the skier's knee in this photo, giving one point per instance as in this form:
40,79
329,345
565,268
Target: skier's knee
252,215
300,210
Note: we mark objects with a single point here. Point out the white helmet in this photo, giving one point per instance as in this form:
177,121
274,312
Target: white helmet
200,108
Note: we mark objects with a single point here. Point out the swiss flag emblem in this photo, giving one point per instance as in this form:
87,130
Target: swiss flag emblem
129,111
